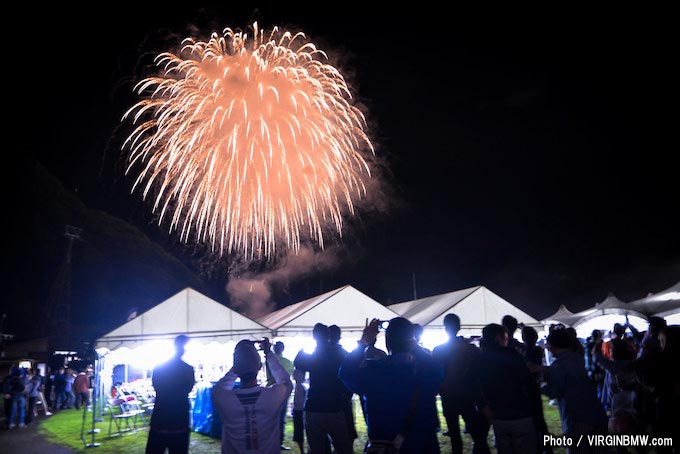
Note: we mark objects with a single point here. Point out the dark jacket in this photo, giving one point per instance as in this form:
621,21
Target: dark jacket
173,381
326,392
501,379
388,386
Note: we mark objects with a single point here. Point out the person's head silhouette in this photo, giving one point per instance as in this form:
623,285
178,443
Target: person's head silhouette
510,324
320,333
399,336
452,324
180,343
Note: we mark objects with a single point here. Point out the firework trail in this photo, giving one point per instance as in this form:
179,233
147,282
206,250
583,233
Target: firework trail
249,143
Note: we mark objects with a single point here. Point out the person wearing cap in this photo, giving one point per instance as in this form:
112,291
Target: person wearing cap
251,413
170,423
399,390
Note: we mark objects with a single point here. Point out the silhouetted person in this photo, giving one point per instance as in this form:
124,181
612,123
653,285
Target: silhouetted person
659,374
595,372
618,332
324,414
14,389
624,417
170,423
81,389
288,367
33,388
335,333
567,381
505,392
650,344
251,414
60,397
398,388
534,357
299,398
511,324
456,357
576,344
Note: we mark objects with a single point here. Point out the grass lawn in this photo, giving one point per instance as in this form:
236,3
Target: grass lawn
65,427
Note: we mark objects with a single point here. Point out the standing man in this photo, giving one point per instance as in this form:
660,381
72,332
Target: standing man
511,325
288,367
456,357
33,390
60,398
81,388
400,390
251,414
173,381
324,413
505,392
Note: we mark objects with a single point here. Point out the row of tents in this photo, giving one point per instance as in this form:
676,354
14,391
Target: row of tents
130,352
190,312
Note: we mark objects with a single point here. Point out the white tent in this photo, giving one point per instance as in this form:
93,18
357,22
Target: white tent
476,307
130,352
602,317
662,304
187,312
565,316
345,307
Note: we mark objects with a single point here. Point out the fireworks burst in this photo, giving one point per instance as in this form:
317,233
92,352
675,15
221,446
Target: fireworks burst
248,143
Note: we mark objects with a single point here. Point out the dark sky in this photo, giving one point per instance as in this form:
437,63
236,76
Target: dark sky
529,151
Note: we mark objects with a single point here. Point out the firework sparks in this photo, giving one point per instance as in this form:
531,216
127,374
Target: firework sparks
249,142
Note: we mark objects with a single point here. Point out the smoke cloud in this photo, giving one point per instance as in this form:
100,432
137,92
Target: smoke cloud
250,292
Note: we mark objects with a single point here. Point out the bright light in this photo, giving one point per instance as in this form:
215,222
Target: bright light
433,337
605,323
673,319
150,354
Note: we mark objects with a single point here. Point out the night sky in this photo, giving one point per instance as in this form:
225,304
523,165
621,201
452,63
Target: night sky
528,151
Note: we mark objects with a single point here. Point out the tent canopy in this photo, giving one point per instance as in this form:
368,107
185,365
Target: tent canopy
346,307
665,302
476,307
661,304
188,312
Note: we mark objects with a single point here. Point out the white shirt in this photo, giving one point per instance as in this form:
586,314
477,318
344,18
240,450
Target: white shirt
251,416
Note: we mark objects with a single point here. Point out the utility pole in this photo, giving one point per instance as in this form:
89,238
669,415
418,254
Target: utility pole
58,323
415,291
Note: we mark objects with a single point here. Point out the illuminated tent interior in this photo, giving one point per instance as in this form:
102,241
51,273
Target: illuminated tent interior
131,351
476,307
345,307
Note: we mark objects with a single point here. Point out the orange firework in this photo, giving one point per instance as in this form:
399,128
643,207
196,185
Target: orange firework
249,142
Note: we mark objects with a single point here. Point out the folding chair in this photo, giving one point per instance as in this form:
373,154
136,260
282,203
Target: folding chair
134,406
118,414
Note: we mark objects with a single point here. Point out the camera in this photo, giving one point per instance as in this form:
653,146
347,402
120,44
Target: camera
382,326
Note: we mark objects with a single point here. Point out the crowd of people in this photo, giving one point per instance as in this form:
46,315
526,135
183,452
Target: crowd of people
24,388
621,386
621,382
